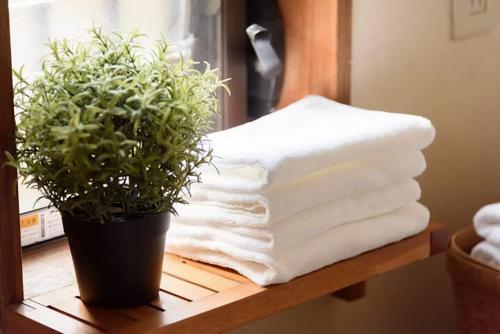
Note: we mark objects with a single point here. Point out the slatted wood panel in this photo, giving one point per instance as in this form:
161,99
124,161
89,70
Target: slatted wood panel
200,298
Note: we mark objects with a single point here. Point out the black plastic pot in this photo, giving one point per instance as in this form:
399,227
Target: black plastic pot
118,264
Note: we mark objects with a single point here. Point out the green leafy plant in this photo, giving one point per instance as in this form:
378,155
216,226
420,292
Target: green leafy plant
109,131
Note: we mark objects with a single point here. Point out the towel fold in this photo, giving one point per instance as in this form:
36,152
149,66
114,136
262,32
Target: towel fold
307,186
487,223
487,253
283,264
310,135
273,206
205,223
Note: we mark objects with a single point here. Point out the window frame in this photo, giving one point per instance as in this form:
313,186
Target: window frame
317,37
11,282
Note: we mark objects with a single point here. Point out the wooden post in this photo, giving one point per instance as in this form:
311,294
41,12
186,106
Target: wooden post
318,49
11,282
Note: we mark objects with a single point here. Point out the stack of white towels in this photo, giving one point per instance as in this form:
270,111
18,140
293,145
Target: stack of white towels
487,226
314,183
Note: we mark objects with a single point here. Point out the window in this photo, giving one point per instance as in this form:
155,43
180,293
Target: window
195,27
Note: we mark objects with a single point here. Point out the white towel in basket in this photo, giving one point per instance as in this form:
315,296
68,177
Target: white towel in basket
487,253
487,223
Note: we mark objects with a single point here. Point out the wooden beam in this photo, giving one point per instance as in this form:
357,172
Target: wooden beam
11,283
344,51
318,49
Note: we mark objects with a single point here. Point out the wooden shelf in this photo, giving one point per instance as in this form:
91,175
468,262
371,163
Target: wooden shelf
200,298
195,298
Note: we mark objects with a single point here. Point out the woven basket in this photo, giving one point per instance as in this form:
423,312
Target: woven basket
476,286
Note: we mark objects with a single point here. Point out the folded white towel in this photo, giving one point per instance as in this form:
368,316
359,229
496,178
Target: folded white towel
487,253
487,223
272,206
296,228
309,135
338,243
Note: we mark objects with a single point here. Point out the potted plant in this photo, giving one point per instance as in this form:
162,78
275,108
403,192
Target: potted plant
112,135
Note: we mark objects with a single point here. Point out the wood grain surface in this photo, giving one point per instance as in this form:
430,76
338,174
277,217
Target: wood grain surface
11,282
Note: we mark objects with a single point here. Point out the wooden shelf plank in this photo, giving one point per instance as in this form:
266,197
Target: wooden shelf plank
197,297
166,301
177,266
183,289
57,296
26,318
220,271
66,301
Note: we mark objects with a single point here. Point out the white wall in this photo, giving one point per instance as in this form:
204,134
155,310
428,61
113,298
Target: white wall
405,61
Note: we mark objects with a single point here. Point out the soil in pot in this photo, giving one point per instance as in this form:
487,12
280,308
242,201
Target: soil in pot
118,264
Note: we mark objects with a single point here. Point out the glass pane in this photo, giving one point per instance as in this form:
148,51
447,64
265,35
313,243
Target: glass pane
193,26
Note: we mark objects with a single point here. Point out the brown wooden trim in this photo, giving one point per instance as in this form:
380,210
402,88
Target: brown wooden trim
234,53
11,282
318,49
344,51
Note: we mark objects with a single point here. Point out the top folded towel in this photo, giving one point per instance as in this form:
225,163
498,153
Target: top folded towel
309,135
